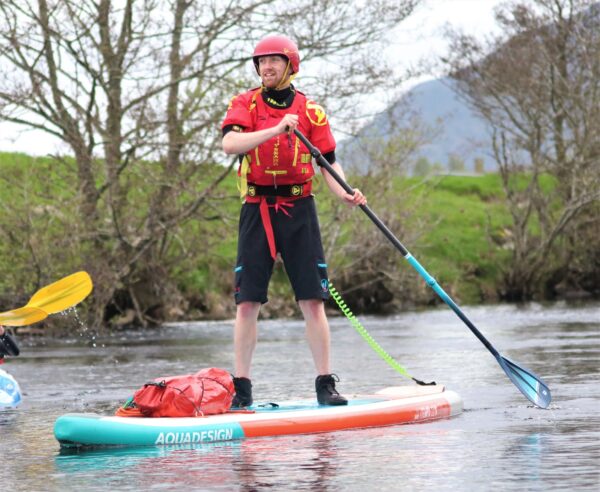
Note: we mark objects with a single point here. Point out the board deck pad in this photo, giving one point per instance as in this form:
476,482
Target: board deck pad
390,406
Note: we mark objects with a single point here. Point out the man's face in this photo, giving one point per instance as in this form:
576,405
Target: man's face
271,69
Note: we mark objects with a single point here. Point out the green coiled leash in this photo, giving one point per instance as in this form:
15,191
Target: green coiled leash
369,339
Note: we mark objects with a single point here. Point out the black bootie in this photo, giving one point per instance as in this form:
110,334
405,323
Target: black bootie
243,392
326,392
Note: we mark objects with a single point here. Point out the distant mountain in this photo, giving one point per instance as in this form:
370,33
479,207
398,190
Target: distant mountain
458,137
456,131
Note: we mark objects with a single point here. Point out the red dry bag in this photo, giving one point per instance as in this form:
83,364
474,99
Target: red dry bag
209,391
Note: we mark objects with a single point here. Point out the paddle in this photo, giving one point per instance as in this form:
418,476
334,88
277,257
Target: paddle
22,316
62,294
54,298
528,383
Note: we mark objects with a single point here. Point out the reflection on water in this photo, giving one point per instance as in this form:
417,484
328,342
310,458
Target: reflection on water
251,464
500,441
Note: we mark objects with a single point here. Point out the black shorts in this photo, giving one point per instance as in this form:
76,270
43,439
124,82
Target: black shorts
298,240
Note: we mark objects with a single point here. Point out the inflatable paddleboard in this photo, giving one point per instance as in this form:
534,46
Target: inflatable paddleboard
391,406
10,393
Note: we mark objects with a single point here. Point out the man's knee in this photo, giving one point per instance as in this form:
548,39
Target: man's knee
248,309
312,308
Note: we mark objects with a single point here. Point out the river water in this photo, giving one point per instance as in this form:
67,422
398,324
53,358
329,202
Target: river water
500,442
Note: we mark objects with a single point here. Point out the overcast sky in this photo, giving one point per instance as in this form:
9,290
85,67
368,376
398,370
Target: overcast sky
420,36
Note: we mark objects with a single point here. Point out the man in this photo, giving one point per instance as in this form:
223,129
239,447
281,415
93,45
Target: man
279,215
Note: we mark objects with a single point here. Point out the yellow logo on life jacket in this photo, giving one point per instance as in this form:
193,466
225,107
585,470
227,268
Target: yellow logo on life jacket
296,190
316,114
230,105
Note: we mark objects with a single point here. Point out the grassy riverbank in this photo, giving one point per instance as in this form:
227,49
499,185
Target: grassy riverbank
466,240
454,225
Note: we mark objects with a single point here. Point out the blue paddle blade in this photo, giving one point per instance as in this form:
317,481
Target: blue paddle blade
536,391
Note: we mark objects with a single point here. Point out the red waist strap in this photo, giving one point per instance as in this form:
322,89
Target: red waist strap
278,203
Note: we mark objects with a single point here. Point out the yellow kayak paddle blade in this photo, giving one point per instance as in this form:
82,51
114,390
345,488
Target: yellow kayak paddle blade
22,316
63,294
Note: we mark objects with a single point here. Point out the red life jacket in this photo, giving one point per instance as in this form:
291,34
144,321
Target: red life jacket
282,160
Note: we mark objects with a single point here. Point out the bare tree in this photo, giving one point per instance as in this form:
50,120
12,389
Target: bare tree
366,268
136,89
538,86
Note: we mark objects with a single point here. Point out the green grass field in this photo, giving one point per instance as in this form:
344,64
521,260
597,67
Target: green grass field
466,216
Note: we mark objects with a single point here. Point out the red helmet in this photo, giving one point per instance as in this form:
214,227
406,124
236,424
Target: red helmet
278,45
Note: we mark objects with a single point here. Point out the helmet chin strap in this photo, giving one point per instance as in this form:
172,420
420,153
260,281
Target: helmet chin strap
285,80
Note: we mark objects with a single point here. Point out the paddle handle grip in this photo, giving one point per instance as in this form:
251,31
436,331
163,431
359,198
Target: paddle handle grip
321,161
